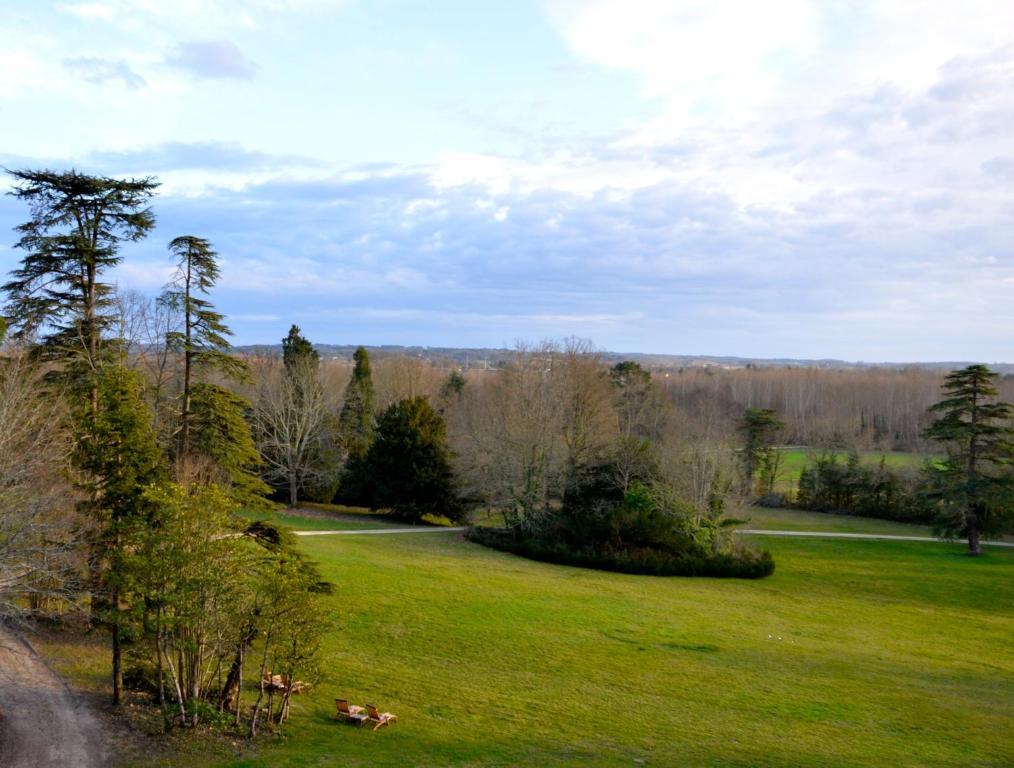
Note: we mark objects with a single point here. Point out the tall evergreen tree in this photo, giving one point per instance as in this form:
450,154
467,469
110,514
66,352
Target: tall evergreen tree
297,350
203,340
759,427
71,240
409,466
357,420
221,434
974,482
120,460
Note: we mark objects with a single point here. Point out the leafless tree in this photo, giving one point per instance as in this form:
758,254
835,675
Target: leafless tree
38,551
292,411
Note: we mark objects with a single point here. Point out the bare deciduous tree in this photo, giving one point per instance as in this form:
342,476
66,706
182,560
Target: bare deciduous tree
293,409
37,547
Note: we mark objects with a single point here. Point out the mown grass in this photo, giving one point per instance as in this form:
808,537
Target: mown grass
853,653
765,518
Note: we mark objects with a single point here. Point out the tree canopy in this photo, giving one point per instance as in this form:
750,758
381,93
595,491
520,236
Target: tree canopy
974,483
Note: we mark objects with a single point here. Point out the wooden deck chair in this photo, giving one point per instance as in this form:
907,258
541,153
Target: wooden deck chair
380,718
351,712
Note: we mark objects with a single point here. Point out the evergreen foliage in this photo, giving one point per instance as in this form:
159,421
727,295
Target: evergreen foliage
759,428
221,433
831,485
357,420
72,239
643,528
116,449
297,350
202,341
408,465
974,485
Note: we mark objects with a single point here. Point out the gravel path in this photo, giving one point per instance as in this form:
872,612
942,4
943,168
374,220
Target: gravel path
377,531
42,723
747,531
887,536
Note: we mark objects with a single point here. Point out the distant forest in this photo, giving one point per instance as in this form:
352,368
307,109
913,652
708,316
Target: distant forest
875,407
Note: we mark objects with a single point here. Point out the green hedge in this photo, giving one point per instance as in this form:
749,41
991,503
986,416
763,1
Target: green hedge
741,563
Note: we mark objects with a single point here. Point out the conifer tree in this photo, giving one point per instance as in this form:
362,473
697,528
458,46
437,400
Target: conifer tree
357,420
120,459
72,239
974,483
221,434
408,465
759,426
203,340
297,350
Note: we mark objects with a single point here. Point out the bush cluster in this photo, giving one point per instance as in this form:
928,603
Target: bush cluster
741,563
847,487
643,529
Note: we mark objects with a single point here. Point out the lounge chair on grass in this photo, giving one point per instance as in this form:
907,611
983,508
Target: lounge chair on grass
353,713
380,718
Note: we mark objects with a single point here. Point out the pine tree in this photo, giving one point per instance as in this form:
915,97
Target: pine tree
221,434
409,466
297,350
121,459
759,426
72,239
203,340
974,482
356,422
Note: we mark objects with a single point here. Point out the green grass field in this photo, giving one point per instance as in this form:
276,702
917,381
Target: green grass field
763,518
854,653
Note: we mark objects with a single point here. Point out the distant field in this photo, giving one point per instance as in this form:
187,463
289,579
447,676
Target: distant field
854,653
794,460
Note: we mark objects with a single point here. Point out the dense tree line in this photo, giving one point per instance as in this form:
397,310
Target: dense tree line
124,462
869,409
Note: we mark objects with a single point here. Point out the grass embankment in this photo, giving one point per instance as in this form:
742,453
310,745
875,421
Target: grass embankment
853,653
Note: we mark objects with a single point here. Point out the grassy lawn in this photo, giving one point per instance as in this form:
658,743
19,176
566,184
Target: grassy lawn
763,518
325,517
853,653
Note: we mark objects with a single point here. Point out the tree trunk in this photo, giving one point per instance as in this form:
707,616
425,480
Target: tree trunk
293,492
974,547
234,680
117,664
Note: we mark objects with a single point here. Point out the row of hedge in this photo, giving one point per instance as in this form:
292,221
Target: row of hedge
740,563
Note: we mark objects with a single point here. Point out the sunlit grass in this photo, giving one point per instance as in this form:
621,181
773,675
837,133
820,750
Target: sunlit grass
853,653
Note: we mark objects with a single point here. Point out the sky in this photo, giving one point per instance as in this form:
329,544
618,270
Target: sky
780,179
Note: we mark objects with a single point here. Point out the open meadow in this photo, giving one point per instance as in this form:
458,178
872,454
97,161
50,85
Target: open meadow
853,653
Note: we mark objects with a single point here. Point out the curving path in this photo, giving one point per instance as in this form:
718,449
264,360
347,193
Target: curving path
42,723
884,536
746,531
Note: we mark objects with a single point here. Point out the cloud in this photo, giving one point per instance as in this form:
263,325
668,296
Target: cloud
213,60
98,70
202,155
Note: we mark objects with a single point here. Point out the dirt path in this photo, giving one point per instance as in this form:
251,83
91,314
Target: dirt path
42,723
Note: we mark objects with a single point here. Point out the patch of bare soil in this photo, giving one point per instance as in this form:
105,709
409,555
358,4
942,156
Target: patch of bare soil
42,722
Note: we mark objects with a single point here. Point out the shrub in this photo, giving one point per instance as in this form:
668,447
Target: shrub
644,529
741,563
830,485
